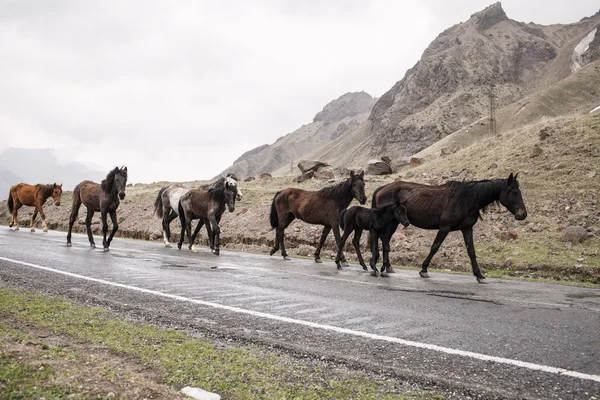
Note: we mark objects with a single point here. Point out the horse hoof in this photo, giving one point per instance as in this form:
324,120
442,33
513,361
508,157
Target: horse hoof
286,258
32,230
167,245
345,264
46,230
375,273
339,267
424,274
318,261
384,274
17,228
481,280
179,246
271,252
93,246
365,268
69,244
106,249
216,252
194,250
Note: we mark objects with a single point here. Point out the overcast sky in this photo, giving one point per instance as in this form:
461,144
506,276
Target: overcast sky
177,90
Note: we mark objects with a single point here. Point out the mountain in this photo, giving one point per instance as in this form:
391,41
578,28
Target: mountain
41,166
446,93
337,118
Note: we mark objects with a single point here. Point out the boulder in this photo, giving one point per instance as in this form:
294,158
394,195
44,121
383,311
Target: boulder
249,179
324,173
536,151
265,175
305,177
575,234
311,165
377,167
399,163
416,161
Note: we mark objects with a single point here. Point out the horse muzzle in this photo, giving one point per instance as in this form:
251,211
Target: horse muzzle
122,195
520,215
57,203
362,200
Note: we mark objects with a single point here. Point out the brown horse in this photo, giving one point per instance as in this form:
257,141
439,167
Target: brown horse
453,206
103,197
320,207
23,194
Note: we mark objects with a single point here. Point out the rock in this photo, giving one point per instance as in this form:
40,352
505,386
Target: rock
324,173
265,175
453,148
305,177
199,394
508,235
387,160
493,166
591,174
575,234
377,167
536,151
409,174
508,263
416,161
545,133
311,165
249,179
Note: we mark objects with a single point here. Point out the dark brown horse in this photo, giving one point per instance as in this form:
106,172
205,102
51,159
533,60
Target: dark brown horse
381,224
205,205
320,207
453,206
23,194
104,197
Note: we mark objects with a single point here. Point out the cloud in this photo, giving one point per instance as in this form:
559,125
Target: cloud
178,90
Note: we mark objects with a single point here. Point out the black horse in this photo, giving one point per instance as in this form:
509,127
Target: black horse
453,206
205,205
381,224
103,197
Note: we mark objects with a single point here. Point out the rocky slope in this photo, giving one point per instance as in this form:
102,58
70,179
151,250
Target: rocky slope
337,118
447,90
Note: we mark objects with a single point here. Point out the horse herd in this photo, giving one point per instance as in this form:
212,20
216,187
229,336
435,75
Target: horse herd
448,207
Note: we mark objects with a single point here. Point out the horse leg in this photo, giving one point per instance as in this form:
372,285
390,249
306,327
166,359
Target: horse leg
104,217
437,243
15,215
468,236
280,235
200,223
44,226
336,234
88,227
276,245
216,233
326,230
35,212
166,225
374,252
385,245
115,226
73,217
356,243
341,243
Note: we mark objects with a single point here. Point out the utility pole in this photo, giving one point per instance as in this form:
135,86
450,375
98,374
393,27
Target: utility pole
492,94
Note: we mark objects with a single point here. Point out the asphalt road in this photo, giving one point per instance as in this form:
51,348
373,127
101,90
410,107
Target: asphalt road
512,339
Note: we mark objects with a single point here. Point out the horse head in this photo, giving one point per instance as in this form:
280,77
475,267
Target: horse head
231,183
56,193
400,213
115,180
358,186
510,197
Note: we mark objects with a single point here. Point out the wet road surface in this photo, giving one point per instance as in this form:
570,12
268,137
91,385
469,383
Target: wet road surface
504,339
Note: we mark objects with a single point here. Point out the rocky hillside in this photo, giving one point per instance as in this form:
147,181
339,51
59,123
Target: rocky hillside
336,119
447,90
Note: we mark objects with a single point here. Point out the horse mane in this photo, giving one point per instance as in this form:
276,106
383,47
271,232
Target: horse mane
336,191
216,184
472,192
45,190
108,182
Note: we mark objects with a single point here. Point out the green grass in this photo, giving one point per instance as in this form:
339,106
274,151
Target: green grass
236,373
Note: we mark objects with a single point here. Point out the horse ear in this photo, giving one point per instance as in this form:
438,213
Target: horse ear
516,175
510,178
362,173
54,185
352,174
125,169
60,185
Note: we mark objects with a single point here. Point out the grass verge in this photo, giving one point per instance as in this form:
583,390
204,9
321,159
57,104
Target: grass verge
235,373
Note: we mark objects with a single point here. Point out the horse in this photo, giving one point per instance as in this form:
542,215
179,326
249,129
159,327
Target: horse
167,203
104,197
23,194
320,207
205,205
452,206
381,224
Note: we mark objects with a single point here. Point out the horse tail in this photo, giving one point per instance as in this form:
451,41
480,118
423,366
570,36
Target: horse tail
342,214
374,198
273,217
158,204
10,201
181,214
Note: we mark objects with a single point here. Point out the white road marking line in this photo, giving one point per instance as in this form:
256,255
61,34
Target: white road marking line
372,336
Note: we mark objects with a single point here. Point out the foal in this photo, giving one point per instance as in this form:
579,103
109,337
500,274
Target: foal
381,224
